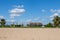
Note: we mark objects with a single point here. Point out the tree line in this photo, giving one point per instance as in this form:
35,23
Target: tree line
56,23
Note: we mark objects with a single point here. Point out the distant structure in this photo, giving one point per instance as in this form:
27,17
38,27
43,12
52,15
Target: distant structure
34,24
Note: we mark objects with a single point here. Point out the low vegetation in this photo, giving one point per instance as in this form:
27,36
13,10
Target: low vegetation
55,24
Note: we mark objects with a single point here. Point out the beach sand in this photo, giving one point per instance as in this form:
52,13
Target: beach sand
29,34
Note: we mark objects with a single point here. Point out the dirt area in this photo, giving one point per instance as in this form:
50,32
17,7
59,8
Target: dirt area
29,34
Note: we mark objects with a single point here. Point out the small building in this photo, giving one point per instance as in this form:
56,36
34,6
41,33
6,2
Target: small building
35,24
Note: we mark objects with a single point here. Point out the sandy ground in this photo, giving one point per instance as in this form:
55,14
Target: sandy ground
29,34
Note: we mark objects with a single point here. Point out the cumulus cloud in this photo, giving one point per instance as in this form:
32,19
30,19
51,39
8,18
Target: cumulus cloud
52,16
17,11
55,14
1,17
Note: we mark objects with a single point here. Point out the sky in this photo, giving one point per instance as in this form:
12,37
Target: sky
25,11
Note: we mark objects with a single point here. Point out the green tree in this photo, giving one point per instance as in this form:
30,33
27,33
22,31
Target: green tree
56,21
3,22
49,25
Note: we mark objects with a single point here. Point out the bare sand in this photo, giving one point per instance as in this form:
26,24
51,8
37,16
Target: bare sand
29,34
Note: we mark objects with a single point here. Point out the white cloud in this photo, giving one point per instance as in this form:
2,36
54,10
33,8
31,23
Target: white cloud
55,14
1,17
17,11
53,10
10,21
58,11
43,10
13,15
52,16
18,6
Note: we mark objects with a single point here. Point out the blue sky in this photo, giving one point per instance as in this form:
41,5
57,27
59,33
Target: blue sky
24,11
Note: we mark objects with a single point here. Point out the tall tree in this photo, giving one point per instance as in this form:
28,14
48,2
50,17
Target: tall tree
56,21
3,22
